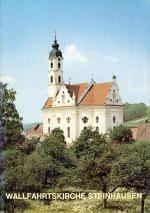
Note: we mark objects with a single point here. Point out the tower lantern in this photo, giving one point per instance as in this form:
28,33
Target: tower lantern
55,79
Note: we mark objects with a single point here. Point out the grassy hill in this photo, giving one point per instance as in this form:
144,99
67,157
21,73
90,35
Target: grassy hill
136,122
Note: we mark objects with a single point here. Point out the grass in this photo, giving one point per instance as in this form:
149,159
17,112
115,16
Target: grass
85,206
136,122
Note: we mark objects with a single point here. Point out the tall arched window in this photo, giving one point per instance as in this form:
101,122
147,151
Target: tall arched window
49,120
51,64
49,130
51,79
114,119
58,65
59,79
68,132
97,129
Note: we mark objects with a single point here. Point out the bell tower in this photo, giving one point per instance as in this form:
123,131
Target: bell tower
55,73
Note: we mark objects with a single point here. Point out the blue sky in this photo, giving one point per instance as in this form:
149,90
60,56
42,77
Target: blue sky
98,38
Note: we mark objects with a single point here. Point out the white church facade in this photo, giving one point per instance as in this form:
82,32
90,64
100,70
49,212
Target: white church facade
73,107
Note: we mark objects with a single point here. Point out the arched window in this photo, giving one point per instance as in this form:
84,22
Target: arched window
114,119
51,79
97,119
58,120
97,129
58,65
49,130
68,120
59,79
51,64
49,120
85,119
68,132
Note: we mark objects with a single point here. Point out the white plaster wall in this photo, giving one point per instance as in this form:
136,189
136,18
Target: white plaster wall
55,72
55,61
116,111
63,113
91,113
105,114
63,98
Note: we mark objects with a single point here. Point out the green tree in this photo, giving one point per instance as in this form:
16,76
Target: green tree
10,135
121,134
132,170
48,164
14,161
95,156
29,145
148,114
133,111
10,120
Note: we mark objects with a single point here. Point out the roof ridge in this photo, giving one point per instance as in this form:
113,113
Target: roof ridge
85,92
76,84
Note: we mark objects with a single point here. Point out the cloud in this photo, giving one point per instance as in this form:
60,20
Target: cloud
112,59
72,54
7,79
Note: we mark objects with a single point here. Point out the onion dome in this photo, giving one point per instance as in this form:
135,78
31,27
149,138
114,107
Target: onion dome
55,52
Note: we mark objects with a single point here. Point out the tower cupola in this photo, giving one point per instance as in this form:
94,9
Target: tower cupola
55,52
55,79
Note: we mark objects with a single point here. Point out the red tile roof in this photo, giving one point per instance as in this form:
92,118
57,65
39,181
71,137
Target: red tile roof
141,133
48,103
95,94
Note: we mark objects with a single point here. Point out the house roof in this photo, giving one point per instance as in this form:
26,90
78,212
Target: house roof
36,131
76,89
97,94
141,133
134,132
86,94
48,103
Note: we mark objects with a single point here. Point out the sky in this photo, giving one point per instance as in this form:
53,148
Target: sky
98,38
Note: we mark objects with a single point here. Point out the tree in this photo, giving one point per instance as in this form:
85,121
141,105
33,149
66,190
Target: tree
14,161
10,120
29,145
48,163
133,111
95,156
121,134
10,132
132,170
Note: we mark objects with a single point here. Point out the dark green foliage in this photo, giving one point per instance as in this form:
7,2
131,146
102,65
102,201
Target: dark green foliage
14,160
29,146
9,119
148,114
121,134
95,154
133,111
132,170
10,136
48,163
82,145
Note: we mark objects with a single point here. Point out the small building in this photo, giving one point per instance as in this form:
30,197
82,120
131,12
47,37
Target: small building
73,107
141,133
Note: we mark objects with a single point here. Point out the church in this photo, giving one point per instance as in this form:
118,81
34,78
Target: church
73,107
